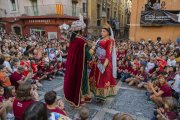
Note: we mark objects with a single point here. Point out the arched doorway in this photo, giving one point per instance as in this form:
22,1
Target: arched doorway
17,29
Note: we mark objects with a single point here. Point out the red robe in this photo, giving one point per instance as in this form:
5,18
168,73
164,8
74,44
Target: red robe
74,71
103,85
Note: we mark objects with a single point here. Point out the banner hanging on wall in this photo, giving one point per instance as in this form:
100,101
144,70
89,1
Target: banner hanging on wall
160,17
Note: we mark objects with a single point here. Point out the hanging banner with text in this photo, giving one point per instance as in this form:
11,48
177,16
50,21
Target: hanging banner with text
160,17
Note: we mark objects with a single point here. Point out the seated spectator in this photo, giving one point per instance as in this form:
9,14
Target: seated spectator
7,65
6,104
46,58
24,98
171,61
50,72
170,76
122,116
143,61
10,93
120,69
52,104
142,79
161,62
150,65
169,111
83,114
34,66
38,77
126,72
25,63
36,111
39,111
4,79
60,68
164,91
133,74
15,64
52,55
17,77
176,84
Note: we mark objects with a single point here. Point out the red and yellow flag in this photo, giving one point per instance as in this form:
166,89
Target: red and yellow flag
59,9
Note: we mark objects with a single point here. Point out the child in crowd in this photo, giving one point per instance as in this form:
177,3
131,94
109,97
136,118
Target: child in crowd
6,104
126,72
4,78
52,55
169,111
60,68
134,75
26,64
83,114
53,104
50,72
7,64
120,69
160,92
34,66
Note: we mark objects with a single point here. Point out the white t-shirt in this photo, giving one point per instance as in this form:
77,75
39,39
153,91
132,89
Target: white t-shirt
176,85
8,66
51,56
171,62
149,66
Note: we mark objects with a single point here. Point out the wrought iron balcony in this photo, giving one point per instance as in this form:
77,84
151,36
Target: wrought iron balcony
55,9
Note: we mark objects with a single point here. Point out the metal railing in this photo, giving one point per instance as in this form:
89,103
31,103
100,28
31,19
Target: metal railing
52,10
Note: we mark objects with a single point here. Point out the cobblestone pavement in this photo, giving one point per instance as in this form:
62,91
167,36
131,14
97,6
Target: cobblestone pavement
128,99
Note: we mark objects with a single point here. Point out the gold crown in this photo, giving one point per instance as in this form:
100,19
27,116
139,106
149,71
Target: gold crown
106,24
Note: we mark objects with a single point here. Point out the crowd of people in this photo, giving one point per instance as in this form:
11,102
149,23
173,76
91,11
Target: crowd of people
153,66
25,61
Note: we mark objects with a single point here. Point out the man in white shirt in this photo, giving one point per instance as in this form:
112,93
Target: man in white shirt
171,61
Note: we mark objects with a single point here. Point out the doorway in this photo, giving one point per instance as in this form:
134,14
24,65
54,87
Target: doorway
17,30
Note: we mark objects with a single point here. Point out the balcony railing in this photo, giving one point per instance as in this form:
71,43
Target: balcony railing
55,9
